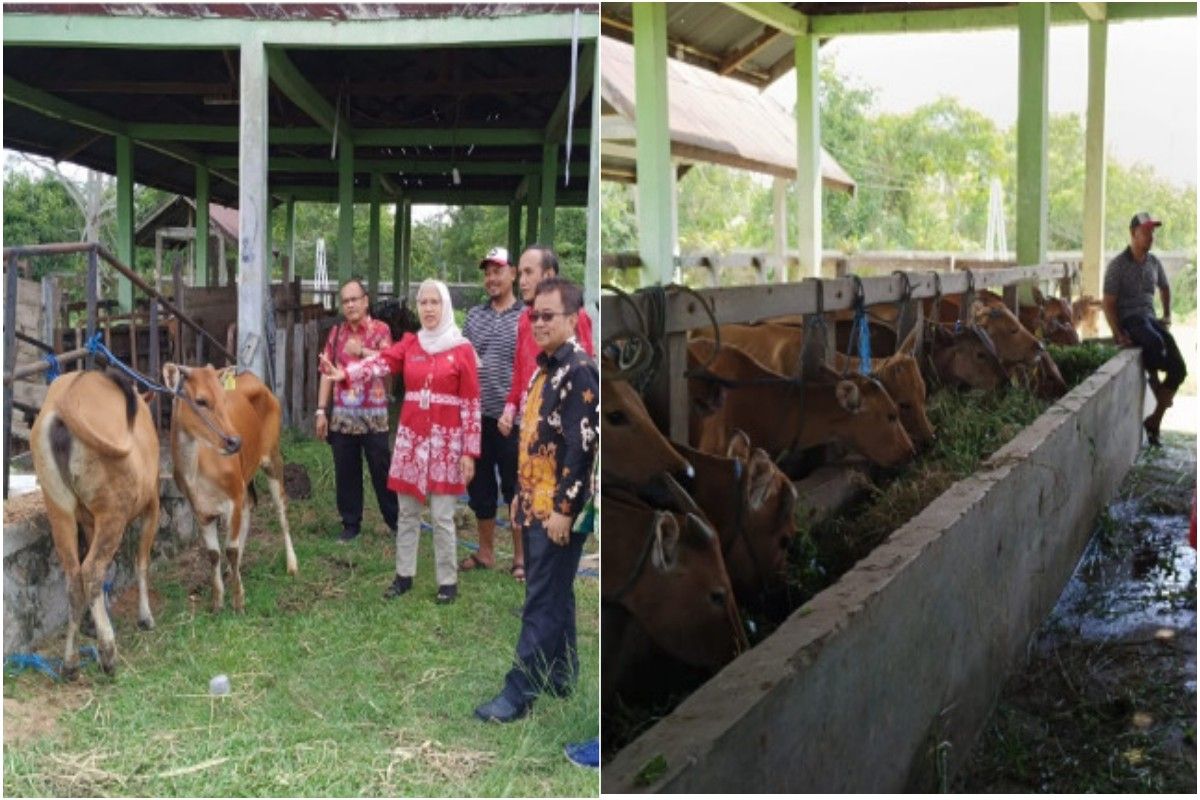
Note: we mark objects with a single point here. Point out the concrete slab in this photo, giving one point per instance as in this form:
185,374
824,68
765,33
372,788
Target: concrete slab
881,682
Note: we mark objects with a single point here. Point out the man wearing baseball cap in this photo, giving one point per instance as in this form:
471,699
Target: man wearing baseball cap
491,327
1129,283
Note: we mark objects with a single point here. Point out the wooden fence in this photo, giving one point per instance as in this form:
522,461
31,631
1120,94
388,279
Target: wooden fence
687,310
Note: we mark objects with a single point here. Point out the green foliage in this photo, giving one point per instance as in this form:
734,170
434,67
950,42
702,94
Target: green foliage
924,179
39,211
1183,292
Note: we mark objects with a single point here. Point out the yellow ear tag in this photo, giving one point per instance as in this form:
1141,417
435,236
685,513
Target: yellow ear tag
230,382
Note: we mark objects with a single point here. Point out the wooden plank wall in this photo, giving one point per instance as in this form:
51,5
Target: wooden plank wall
31,391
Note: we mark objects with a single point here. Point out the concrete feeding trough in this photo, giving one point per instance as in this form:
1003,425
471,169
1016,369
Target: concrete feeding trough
882,682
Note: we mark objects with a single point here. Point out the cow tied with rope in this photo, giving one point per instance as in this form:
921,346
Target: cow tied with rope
224,427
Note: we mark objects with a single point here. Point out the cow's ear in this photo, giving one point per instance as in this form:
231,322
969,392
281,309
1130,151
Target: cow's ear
1038,297
227,376
909,345
665,553
848,396
739,445
761,479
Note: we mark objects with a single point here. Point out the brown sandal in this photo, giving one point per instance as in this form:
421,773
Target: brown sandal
472,562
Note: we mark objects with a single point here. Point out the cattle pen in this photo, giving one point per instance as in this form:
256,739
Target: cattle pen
890,672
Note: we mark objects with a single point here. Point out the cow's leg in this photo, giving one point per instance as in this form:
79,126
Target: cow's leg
274,467
212,544
109,530
145,544
239,529
65,533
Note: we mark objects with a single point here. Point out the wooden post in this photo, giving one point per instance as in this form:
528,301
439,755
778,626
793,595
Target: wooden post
373,244
155,359
654,168
296,343
254,253
549,190
808,156
1094,188
200,265
311,348
10,356
345,251
125,221
177,282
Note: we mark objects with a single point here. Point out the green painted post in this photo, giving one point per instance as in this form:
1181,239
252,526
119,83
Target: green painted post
514,231
200,268
808,156
397,246
1094,159
289,238
654,201
532,200
345,212
125,219
406,254
373,245
1033,22
549,189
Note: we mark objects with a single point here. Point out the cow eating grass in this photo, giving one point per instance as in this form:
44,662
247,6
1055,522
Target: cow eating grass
220,437
95,451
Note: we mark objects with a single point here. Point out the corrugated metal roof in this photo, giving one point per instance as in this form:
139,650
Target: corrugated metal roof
297,11
714,119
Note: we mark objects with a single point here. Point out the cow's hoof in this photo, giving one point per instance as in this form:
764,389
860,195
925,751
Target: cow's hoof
70,672
146,624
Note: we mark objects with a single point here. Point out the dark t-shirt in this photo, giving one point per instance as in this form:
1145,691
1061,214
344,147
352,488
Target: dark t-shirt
1134,283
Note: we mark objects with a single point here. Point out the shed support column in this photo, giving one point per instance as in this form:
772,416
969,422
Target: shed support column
125,219
1033,21
533,199
406,251
779,222
373,246
289,239
654,168
397,246
514,231
591,261
253,215
200,266
345,211
549,190
808,156
1094,159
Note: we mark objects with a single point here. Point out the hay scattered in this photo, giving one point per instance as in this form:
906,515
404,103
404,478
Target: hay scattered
448,764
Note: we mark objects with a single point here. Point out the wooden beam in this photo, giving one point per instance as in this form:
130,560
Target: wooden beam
200,268
398,137
254,253
740,56
556,128
956,19
1033,121
655,205
1094,188
778,15
297,88
402,166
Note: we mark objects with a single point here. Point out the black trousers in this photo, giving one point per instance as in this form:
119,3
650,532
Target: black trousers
546,657
496,453
348,452
1159,351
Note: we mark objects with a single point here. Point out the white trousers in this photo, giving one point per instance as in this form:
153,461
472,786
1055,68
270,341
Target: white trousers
445,540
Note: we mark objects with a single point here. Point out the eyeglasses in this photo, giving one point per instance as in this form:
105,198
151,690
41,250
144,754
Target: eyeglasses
545,316
348,300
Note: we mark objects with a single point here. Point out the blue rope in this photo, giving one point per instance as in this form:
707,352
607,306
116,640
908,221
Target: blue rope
864,341
19,662
95,346
55,367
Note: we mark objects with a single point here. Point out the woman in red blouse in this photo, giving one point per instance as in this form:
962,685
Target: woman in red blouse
437,439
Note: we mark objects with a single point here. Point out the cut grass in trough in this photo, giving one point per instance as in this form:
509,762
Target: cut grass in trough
335,692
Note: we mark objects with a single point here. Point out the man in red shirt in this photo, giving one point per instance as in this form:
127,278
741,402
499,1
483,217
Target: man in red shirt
359,424
536,263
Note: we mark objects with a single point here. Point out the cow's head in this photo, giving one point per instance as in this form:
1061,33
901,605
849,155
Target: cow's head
666,569
1058,324
634,451
200,408
870,422
965,358
901,376
1013,342
770,502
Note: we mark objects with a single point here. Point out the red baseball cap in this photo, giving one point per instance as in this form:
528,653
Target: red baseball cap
1142,219
497,255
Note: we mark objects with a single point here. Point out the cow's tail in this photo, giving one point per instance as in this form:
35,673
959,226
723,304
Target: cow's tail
94,420
53,447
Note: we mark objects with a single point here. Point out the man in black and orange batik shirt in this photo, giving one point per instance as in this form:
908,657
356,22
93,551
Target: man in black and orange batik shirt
559,438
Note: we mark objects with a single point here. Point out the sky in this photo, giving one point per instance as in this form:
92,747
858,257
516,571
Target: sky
1152,90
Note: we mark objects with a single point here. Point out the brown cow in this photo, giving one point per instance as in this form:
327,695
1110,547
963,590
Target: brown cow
961,358
1087,312
1014,344
666,570
634,454
1049,319
95,451
779,348
750,502
782,414
219,438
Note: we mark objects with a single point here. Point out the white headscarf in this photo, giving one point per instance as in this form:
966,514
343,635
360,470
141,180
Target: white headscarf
446,335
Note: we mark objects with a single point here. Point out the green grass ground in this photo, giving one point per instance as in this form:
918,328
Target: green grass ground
335,692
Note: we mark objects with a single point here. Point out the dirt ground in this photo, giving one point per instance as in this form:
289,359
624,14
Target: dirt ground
1107,700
